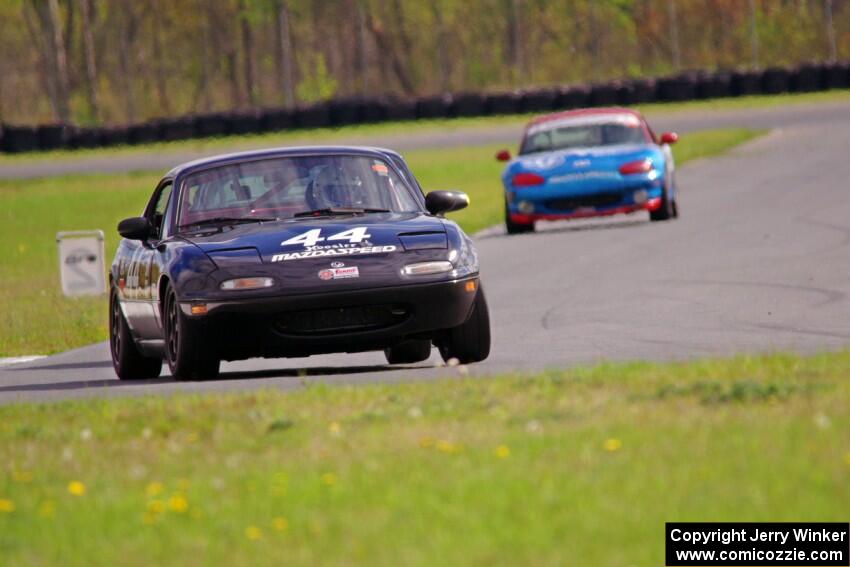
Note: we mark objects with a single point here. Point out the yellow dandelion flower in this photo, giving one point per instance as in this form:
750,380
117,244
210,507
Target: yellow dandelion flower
178,503
22,477
502,451
444,446
612,445
155,506
280,524
47,509
153,489
335,428
76,488
426,442
6,506
253,533
328,479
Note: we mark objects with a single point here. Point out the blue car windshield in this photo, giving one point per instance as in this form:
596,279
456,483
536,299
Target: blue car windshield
284,187
581,136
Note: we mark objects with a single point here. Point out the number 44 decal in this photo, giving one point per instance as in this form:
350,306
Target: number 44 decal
312,237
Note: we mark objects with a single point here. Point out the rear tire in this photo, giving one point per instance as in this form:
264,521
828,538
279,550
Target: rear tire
128,362
408,352
516,228
470,341
187,355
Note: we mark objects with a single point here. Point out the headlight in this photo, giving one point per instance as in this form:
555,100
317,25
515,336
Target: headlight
427,268
246,283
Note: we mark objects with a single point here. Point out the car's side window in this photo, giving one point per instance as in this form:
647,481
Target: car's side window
158,213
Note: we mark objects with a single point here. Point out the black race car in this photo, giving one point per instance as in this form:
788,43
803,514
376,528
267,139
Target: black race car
293,252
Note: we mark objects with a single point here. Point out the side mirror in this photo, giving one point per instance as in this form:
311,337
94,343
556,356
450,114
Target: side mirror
669,138
134,228
439,202
503,155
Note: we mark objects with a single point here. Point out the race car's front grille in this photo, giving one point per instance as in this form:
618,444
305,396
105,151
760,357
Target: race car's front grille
579,201
339,320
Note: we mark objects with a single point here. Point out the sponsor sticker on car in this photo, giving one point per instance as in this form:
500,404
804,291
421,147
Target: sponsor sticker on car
339,273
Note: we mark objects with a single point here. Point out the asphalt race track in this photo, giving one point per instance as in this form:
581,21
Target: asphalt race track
758,261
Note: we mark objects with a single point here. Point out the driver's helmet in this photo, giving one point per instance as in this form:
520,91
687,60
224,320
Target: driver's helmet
334,187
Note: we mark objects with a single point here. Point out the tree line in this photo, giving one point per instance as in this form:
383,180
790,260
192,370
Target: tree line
96,62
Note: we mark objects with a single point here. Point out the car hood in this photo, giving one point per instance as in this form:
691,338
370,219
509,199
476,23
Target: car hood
268,238
606,158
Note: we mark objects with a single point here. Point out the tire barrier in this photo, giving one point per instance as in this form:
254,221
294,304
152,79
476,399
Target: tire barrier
503,103
433,106
677,89
468,104
20,139
636,91
312,116
52,136
539,100
807,77
275,120
577,96
836,75
774,81
713,85
401,109
744,83
605,94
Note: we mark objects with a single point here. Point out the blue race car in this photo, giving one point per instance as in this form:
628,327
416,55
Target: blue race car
588,163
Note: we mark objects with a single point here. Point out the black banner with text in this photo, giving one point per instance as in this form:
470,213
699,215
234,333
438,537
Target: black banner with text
692,544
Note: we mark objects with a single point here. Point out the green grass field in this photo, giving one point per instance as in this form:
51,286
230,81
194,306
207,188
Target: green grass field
36,318
325,135
578,467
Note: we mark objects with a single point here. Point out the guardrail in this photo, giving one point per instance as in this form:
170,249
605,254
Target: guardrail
695,85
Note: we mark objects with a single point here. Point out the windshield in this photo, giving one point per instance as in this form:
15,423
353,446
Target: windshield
581,134
283,187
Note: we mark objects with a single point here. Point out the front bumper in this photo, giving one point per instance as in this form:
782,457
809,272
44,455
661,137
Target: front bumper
528,218
554,201
345,321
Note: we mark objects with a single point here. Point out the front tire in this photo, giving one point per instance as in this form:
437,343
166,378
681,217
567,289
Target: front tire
470,341
128,362
408,352
187,355
516,228
668,209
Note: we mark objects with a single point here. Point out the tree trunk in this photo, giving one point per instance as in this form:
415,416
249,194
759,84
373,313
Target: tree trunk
674,35
54,56
90,59
159,62
830,31
387,49
515,55
443,65
754,37
126,33
283,52
247,54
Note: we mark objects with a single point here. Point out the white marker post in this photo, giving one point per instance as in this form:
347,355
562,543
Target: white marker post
81,268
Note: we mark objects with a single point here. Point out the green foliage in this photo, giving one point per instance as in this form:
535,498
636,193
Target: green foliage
440,44
318,84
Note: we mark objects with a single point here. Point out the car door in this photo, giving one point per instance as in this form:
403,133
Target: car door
145,267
